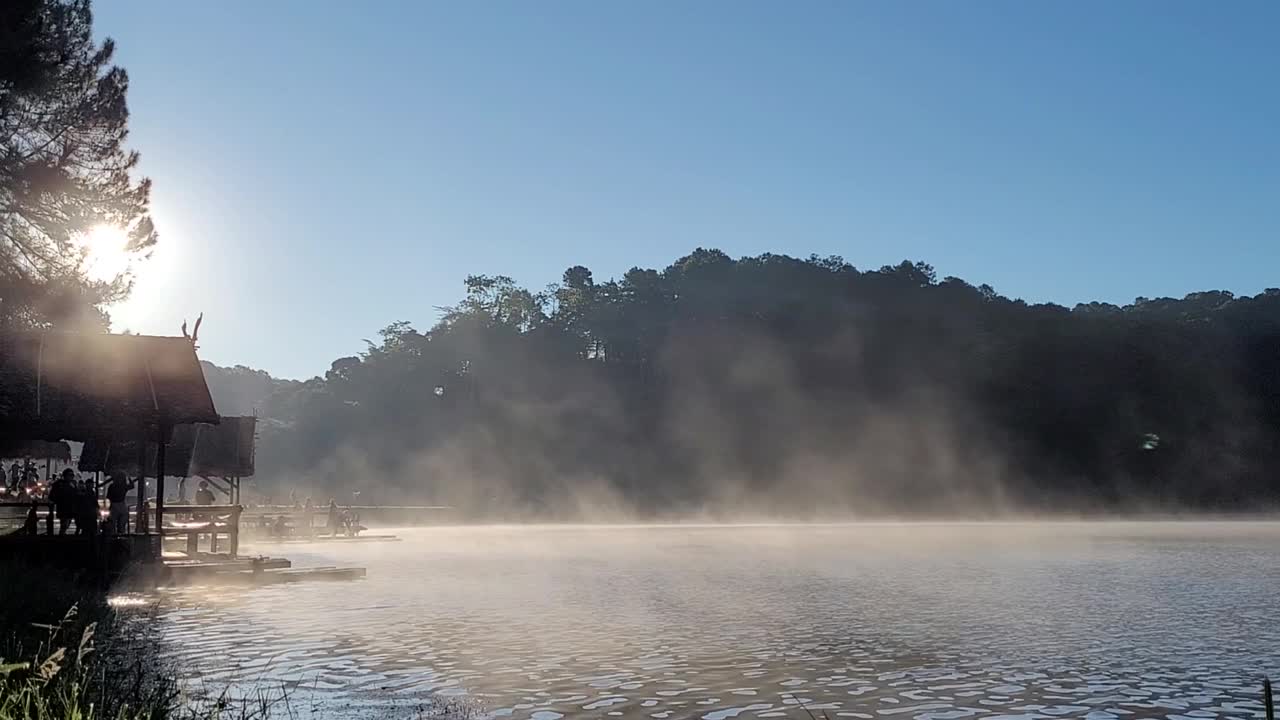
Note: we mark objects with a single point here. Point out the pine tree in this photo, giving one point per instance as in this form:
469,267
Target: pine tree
63,165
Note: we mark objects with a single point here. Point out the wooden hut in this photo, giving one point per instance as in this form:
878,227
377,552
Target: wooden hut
91,387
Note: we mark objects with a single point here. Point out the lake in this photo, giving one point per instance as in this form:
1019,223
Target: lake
930,621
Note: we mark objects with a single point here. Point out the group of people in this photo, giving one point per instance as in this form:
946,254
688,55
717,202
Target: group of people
22,480
76,504
76,501
343,520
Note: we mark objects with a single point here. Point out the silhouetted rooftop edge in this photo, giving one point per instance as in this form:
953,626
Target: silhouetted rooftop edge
77,386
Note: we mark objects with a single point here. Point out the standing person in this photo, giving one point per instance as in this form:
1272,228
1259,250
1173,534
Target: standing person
118,501
15,477
63,496
333,518
306,516
204,496
87,515
32,525
30,478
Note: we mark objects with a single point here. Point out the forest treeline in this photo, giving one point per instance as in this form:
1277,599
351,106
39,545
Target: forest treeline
785,386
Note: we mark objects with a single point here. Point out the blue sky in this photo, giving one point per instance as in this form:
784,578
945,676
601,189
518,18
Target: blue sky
322,169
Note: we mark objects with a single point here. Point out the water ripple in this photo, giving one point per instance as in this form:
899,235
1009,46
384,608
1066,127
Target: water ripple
1096,621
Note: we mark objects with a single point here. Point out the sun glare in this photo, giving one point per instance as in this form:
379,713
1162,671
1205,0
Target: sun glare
106,257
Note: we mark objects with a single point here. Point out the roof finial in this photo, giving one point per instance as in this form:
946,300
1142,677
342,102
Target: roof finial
194,336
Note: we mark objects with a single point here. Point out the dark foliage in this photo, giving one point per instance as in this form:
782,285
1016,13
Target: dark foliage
63,166
773,384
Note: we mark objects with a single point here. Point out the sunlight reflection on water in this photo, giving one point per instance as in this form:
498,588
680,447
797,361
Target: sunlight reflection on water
1118,620
130,600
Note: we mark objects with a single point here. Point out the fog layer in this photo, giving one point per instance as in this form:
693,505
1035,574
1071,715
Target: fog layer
771,386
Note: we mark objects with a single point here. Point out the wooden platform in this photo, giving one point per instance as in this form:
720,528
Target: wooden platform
383,515
277,577
327,539
219,563
180,569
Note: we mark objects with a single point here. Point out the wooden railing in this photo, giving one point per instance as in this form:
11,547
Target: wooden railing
303,517
193,526
388,515
37,504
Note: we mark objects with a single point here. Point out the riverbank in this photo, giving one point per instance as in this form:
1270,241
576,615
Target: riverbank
65,650
69,648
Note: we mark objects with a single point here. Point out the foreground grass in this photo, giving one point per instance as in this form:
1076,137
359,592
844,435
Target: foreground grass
61,680
93,663
65,654
65,678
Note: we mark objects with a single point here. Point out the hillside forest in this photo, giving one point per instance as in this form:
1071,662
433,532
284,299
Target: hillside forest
790,387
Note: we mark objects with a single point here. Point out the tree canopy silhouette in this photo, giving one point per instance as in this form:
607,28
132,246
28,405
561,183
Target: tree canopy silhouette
774,384
63,165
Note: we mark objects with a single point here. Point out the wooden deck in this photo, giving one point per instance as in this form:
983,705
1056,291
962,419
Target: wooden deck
208,569
300,540
292,575
188,552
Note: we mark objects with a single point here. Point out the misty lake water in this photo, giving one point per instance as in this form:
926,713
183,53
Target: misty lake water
939,622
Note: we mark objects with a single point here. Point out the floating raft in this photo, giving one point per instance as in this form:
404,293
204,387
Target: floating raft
224,564
291,575
215,570
326,538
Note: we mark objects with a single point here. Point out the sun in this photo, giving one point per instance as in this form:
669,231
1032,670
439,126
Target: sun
106,252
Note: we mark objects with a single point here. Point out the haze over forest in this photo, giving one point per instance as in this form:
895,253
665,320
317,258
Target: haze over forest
775,385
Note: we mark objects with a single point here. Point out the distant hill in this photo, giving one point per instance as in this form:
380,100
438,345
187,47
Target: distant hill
774,386
243,390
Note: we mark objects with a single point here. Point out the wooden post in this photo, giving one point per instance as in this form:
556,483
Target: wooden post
142,480
235,529
162,440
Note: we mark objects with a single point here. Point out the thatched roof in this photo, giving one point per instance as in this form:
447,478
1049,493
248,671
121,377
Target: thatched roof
222,450
36,450
69,386
108,457
225,449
